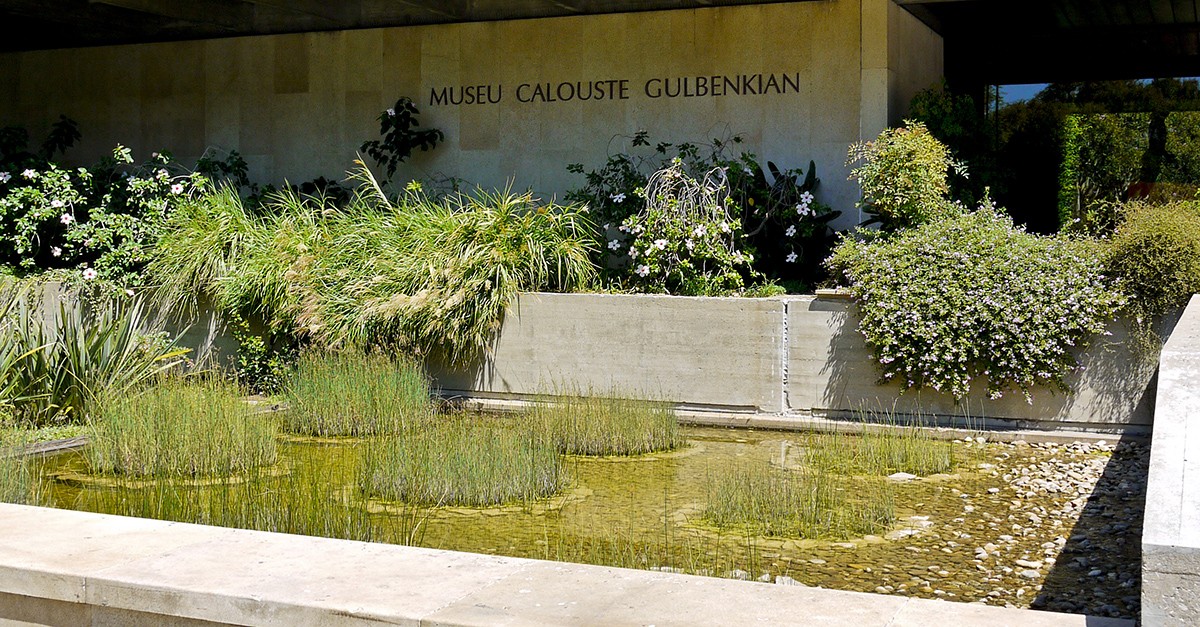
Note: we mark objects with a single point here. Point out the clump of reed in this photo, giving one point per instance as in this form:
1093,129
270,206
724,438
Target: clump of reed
18,483
600,425
471,462
353,393
764,500
883,447
180,428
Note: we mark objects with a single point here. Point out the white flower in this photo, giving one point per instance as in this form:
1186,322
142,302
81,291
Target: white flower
29,173
689,243
633,252
5,177
66,218
56,203
606,225
791,231
129,293
791,258
661,244
724,227
177,188
162,174
806,198
618,198
89,273
615,244
391,112
700,231
643,270
738,257
56,251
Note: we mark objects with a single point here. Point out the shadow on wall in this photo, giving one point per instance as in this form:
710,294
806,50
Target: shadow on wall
1113,386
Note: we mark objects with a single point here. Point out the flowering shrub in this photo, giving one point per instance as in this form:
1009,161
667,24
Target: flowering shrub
100,221
785,228
903,175
970,296
685,241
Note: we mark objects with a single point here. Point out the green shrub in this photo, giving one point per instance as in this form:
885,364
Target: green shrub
971,296
463,461
593,425
180,429
1155,254
352,393
763,500
903,175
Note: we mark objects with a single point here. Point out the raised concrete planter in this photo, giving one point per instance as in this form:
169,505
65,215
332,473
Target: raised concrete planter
800,355
1171,529
64,568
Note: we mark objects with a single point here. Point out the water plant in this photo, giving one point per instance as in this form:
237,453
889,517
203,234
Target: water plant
760,499
607,425
880,449
180,428
355,393
472,462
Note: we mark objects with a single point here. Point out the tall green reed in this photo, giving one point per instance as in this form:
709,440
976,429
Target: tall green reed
180,428
463,461
350,392
883,446
607,425
763,500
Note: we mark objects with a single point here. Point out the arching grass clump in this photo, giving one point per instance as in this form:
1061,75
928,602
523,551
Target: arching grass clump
468,462
354,393
764,500
180,429
593,425
18,484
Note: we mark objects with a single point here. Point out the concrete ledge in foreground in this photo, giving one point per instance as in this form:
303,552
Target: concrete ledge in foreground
1171,530
61,567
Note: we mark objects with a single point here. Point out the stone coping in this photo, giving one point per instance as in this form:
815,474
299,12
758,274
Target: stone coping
68,560
1171,530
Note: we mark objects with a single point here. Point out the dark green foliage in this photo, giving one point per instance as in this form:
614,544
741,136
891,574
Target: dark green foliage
401,136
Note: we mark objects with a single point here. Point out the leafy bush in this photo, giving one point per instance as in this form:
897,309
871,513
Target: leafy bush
351,393
903,175
101,222
400,136
180,429
1155,254
1102,157
971,296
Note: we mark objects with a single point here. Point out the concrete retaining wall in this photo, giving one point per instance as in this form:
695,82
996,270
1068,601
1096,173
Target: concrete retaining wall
1171,529
779,355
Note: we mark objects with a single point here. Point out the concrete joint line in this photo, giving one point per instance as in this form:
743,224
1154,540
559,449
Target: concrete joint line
785,401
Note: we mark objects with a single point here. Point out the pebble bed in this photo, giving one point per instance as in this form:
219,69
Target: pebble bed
1043,526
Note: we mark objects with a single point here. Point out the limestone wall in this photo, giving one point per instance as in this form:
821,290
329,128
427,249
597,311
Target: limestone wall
298,106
